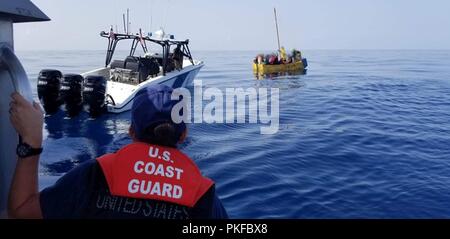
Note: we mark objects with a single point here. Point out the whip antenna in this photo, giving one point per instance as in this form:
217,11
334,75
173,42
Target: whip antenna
124,27
128,21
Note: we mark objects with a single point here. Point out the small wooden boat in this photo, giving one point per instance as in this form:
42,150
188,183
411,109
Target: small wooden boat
296,66
280,63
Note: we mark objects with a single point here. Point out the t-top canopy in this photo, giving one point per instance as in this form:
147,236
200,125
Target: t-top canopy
21,11
139,38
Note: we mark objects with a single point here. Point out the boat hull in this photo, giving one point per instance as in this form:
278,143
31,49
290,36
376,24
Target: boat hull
123,94
263,69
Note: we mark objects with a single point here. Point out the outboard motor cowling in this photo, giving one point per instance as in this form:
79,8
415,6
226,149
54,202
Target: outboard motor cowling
48,87
71,93
94,95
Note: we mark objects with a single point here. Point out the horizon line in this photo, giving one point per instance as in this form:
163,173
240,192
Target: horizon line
245,50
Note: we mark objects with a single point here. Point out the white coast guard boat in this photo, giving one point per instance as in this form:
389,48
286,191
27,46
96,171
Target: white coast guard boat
126,77
112,88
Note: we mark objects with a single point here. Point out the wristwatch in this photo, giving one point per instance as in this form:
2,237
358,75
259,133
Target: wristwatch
24,150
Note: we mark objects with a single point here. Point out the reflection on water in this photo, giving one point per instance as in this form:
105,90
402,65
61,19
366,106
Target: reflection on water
70,141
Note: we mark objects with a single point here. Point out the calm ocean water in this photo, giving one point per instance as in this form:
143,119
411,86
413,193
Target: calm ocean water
364,134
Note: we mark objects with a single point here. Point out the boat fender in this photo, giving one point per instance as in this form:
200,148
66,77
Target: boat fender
305,62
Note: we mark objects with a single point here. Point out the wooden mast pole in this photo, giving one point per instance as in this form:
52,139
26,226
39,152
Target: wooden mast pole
276,24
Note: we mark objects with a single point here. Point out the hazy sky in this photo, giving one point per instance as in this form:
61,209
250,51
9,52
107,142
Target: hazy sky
247,24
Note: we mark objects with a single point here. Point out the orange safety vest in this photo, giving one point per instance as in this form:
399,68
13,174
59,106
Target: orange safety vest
152,172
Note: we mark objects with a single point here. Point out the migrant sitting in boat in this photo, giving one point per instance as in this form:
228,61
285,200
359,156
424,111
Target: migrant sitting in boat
281,62
282,58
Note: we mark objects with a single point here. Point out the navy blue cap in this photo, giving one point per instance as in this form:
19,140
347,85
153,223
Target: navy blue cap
153,106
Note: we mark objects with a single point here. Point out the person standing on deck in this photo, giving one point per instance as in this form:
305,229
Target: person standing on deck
283,55
150,178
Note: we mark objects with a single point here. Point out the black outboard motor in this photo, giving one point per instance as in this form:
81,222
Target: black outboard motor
71,94
48,87
94,95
